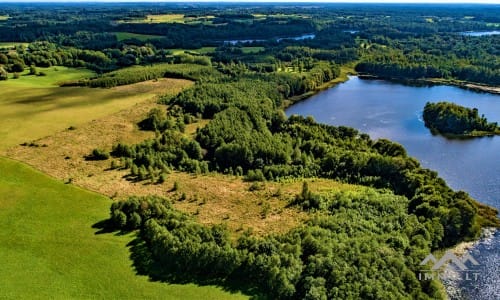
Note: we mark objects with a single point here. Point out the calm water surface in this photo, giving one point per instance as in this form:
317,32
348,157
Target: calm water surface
394,111
295,38
481,33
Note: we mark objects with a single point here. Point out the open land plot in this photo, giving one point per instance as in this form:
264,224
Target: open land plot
11,45
203,50
213,198
171,18
121,36
34,106
48,246
250,50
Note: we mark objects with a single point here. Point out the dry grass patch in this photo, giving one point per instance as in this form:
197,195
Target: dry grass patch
170,18
212,198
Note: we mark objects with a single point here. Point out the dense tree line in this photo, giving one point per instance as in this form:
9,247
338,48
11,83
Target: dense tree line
335,255
447,117
46,54
418,43
155,159
136,74
459,57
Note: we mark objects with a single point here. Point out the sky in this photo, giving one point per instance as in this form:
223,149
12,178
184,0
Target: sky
256,1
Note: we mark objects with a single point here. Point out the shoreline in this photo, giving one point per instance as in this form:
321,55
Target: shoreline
345,72
465,136
452,285
477,87
486,232
463,247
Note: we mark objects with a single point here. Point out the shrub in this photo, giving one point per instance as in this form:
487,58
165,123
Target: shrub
98,154
256,175
135,221
162,178
256,186
3,74
33,70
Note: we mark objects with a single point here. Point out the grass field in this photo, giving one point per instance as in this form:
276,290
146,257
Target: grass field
172,18
11,44
208,50
141,37
34,106
49,249
203,50
249,50
4,18
214,198
54,76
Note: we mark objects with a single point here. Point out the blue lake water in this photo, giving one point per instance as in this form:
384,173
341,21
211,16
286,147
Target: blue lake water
481,33
295,38
394,111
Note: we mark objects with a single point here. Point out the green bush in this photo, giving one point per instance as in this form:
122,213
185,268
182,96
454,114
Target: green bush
256,175
98,154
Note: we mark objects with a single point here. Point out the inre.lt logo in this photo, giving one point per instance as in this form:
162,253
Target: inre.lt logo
450,265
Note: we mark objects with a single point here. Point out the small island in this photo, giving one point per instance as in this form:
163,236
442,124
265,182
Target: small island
453,120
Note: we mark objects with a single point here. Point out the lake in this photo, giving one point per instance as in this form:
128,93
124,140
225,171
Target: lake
295,38
481,33
394,111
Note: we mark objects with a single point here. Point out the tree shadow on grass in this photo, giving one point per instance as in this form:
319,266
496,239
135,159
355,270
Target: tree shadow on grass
103,226
106,226
144,264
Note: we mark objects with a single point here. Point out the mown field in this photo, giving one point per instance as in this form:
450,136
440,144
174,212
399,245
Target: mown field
49,249
171,18
34,106
121,36
11,44
203,50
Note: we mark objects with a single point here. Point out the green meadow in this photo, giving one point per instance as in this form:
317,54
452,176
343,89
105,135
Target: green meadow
49,249
209,50
202,51
251,50
171,18
120,36
11,44
32,106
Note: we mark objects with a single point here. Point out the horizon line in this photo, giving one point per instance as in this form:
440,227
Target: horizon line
470,2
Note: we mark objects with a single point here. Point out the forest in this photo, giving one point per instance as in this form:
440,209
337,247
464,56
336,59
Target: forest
450,118
247,64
